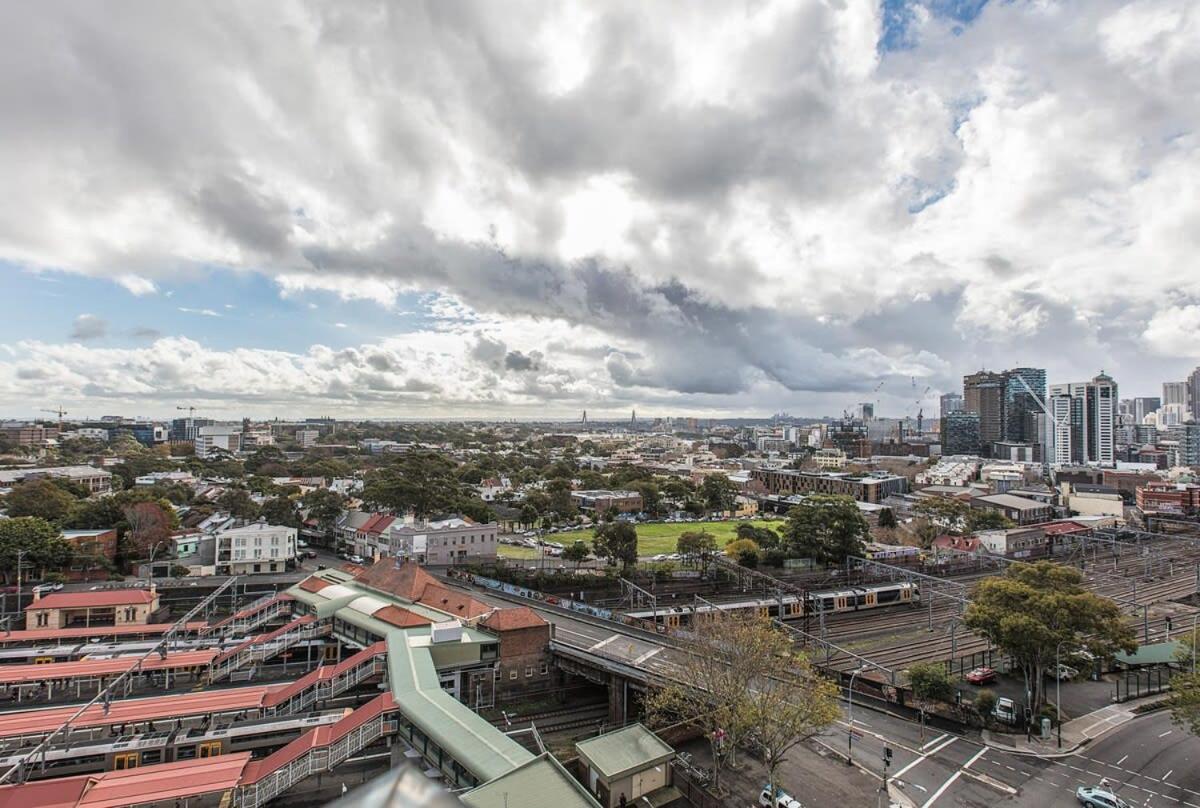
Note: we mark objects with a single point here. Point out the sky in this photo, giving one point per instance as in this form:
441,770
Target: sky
527,210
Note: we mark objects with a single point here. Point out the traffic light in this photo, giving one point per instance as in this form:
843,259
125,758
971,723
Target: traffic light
887,754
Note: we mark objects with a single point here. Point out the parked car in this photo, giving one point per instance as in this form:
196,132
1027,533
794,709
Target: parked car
355,559
1005,710
1096,797
1062,672
309,554
981,676
45,589
782,799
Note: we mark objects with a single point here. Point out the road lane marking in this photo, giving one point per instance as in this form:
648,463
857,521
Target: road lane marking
933,798
603,643
647,655
925,756
1122,760
974,758
1168,774
935,741
1165,734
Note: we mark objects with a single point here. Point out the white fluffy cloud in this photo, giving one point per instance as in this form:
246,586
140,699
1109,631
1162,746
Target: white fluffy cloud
744,205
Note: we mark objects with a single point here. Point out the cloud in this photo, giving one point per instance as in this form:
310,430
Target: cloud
751,205
143,332
89,326
202,312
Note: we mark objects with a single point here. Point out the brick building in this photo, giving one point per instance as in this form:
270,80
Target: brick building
867,488
600,501
525,662
1164,497
95,550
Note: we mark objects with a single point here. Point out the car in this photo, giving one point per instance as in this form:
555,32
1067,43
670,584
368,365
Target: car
355,559
981,676
1062,672
309,554
1005,710
782,798
1097,797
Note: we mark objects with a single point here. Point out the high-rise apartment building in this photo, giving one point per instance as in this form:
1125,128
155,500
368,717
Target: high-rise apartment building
1082,426
983,394
1176,393
1145,405
1193,394
951,402
960,433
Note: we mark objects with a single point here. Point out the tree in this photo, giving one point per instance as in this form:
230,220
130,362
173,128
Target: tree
929,682
744,551
149,527
238,503
1034,609
987,519
744,686
887,519
324,506
529,515
280,511
617,541
576,553
718,493
696,543
764,537
788,708
826,528
939,515
40,542
40,498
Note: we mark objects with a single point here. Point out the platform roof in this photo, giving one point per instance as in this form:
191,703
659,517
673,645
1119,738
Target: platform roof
84,668
87,632
124,711
93,600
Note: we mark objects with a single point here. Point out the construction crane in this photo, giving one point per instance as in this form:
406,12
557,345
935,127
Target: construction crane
60,412
1057,423
191,411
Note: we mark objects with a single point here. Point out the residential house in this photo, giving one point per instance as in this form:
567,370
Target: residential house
445,542
254,548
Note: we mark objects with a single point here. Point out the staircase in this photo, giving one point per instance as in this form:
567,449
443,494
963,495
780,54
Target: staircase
317,751
328,681
251,617
259,649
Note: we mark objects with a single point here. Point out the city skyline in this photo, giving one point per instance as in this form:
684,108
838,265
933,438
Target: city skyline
583,213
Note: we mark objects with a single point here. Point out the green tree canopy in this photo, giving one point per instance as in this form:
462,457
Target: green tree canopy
718,492
280,511
826,528
617,541
576,553
40,498
1034,608
323,505
987,519
40,542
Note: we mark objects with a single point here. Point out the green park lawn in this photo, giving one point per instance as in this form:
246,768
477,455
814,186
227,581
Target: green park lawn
655,538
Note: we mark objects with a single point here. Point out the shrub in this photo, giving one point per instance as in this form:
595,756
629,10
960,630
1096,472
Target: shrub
985,700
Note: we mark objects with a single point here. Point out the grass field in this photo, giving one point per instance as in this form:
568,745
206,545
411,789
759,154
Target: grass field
655,538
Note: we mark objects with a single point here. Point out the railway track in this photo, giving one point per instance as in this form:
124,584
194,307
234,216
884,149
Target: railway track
556,720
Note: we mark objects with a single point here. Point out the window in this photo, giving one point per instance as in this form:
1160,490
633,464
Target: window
528,671
544,669
512,674
497,676
258,567
43,619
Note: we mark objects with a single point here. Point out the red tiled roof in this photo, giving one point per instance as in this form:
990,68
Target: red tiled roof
401,618
165,781
377,523
451,602
314,584
80,600
512,619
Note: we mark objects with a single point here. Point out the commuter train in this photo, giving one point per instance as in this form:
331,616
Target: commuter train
259,737
789,607
44,655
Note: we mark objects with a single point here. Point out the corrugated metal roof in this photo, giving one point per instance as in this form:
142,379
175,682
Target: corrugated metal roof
629,749
14,674
95,600
475,743
367,604
540,783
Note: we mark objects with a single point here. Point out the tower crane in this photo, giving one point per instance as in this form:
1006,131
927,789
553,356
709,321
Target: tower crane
191,411
60,412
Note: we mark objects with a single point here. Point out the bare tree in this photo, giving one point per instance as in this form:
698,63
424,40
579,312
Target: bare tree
739,666
148,526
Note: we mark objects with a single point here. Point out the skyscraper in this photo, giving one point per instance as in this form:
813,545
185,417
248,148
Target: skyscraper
1193,393
1020,407
1176,393
983,394
951,402
1082,427
960,433
1144,405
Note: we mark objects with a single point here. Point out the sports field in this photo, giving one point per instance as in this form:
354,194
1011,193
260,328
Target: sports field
654,538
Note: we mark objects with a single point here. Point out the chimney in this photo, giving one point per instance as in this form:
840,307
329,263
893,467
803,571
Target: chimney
37,594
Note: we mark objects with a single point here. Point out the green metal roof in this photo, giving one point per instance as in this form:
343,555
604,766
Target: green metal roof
475,743
542,782
1159,653
625,750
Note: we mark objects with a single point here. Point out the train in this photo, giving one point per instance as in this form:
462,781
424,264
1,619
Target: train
790,607
260,737
44,655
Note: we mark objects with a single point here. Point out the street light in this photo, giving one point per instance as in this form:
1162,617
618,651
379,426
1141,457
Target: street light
850,715
1058,691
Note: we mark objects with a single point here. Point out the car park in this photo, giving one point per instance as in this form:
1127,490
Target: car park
1097,797
981,676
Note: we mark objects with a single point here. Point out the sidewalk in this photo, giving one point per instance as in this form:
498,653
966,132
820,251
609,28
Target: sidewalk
1075,733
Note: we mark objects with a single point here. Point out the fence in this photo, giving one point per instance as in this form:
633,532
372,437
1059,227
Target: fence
1134,684
696,794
